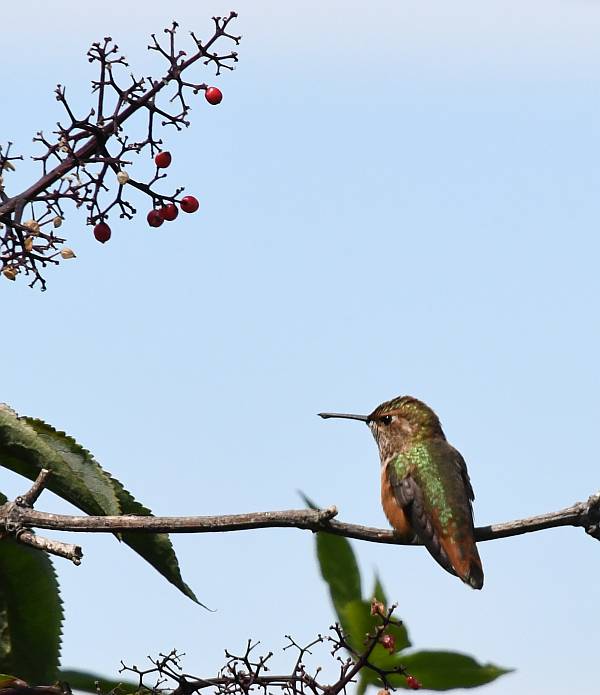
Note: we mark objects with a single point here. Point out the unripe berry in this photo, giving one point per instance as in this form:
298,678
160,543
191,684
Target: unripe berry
412,683
213,95
389,642
189,204
154,218
168,212
162,160
102,232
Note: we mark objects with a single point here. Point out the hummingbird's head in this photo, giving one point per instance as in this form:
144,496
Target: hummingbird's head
397,422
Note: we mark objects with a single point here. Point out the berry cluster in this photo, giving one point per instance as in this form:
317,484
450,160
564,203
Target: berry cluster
83,155
167,212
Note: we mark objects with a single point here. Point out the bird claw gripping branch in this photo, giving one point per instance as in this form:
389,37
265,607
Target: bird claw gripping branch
87,160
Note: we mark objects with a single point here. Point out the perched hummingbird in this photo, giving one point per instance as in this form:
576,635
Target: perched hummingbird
425,487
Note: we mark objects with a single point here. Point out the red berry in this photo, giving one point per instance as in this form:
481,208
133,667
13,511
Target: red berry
412,683
168,212
189,204
213,95
388,642
154,218
162,160
102,232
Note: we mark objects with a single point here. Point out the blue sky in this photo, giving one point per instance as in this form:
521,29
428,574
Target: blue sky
397,198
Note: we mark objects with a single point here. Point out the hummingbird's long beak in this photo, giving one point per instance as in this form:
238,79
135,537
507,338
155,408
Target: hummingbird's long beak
346,416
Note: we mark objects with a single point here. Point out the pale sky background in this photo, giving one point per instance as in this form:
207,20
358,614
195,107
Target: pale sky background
397,198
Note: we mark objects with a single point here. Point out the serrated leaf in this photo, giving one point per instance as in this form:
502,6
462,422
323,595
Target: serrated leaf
156,548
86,682
338,566
31,614
28,445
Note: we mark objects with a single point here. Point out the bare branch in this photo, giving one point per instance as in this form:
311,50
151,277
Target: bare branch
581,514
247,672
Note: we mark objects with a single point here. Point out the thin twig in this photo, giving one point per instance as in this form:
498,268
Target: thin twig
32,495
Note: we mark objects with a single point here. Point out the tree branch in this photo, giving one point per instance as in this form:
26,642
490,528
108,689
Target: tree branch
581,514
18,518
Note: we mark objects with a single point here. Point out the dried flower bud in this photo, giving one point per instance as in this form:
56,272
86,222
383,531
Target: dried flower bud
377,608
57,221
122,177
28,243
33,227
9,165
10,273
67,253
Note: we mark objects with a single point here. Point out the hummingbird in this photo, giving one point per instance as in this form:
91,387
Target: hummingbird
425,487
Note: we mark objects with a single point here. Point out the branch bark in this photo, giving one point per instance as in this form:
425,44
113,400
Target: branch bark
18,518
581,514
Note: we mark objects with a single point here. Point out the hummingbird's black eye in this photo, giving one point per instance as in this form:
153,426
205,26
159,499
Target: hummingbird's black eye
386,419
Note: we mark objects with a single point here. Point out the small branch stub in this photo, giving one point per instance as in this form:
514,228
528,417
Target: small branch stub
11,514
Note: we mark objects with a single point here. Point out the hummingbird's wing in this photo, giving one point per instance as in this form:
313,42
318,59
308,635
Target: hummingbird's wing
431,484
410,497
459,461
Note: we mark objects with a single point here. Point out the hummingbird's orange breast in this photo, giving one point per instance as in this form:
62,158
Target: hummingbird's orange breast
393,511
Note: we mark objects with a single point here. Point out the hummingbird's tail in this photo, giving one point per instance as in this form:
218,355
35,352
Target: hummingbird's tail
465,562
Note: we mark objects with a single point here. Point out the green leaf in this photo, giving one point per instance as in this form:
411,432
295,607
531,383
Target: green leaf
362,685
338,566
439,671
378,591
30,614
446,670
27,445
86,682
156,548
